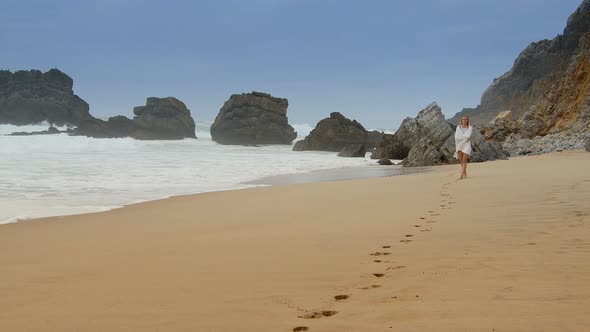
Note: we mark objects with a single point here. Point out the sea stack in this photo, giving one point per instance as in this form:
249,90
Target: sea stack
162,118
335,133
31,96
253,118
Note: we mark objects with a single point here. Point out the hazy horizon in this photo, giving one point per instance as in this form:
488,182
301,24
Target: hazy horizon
376,61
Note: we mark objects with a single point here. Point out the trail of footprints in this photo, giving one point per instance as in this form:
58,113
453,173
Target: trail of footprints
447,201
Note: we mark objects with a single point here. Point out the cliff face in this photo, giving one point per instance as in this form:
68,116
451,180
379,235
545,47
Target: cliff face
547,82
28,97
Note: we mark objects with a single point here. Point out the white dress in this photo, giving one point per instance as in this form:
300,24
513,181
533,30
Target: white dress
463,140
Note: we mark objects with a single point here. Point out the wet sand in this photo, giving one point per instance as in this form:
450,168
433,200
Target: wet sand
505,250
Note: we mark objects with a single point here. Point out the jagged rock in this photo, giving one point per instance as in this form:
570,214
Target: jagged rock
384,161
516,145
587,145
162,119
51,131
356,150
333,134
253,118
374,137
547,77
29,97
429,140
114,127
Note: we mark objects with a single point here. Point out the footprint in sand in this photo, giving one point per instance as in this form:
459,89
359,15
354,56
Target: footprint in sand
380,253
396,267
425,230
370,287
379,275
378,261
409,235
405,241
417,225
319,314
422,218
386,247
430,221
301,328
341,297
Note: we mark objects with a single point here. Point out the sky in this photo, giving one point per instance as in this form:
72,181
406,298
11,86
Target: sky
376,61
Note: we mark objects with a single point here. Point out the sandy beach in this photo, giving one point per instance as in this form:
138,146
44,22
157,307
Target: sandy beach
505,250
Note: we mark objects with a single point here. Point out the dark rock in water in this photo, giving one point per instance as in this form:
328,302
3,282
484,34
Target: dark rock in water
587,146
333,134
253,118
373,138
51,131
429,140
29,97
161,119
115,127
384,161
356,150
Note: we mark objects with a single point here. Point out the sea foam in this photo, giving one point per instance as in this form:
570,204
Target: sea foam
53,175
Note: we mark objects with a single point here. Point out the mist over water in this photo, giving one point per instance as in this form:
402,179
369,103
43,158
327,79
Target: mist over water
59,174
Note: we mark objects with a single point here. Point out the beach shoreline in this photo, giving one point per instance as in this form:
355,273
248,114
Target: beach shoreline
413,253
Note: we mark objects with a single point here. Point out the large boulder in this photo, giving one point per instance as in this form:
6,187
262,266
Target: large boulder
114,127
373,138
333,134
253,118
429,140
356,150
28,97
162,118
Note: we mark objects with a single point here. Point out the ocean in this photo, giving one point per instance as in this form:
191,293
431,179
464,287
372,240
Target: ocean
54,175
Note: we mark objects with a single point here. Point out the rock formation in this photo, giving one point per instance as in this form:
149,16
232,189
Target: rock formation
374,137
28,97
50,131
429,140
114,127
253,118
355,150
333,134
162,118
587,145
548,88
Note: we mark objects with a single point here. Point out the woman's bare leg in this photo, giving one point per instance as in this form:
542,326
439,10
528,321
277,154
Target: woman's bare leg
460,154
464,165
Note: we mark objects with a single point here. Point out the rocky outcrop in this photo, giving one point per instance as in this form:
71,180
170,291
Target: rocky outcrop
429,140
587,145
385,162
162,119
114,127
333,134
51,131
547,87
355,150
253,118
518,146
373,138
28,97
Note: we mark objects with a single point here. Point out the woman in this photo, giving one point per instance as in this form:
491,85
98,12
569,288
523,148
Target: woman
463,144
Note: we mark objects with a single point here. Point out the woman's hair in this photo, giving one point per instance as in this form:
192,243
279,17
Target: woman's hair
461,121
